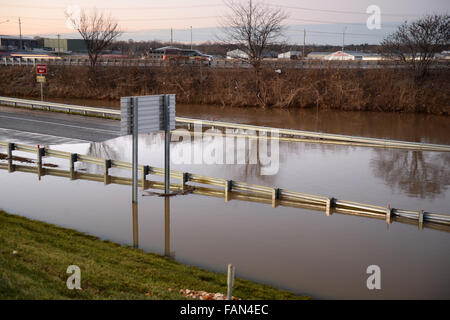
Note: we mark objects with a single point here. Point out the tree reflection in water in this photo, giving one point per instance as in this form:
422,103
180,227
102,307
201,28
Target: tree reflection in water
422,174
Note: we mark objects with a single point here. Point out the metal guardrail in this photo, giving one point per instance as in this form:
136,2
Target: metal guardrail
320,135
228,189
219,63
45,105
292,135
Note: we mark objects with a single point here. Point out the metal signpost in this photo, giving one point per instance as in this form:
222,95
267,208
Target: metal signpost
41,71
147,114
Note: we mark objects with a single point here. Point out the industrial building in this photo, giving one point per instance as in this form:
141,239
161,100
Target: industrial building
63,45
14,43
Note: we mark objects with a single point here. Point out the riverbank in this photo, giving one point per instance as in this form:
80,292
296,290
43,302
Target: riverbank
386,90
34,257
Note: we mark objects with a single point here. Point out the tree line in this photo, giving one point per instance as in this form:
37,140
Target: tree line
256,28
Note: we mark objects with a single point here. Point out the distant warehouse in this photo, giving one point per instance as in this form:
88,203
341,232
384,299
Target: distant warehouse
14,43
352,55
63,45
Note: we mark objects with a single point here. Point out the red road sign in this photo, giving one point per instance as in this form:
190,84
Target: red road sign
41,69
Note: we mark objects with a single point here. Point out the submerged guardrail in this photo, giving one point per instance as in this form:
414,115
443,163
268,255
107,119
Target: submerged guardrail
222,188
285,134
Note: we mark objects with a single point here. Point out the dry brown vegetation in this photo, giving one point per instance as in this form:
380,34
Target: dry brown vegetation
330,88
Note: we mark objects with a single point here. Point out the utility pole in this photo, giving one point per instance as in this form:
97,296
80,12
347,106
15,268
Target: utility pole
20,34
191,37
59,48
171,36
304,43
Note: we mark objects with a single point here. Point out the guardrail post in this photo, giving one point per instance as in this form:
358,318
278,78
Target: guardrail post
11,147
145,172
228,187
184,179
421,214
275,197
73,159
330,205
106,176
40,154
388,215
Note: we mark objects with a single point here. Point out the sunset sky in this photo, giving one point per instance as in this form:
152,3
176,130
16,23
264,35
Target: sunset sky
147,20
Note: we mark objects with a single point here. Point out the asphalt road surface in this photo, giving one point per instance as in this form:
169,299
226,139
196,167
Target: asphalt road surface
35,126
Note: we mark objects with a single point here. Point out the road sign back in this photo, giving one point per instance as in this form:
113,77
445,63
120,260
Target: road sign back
150,111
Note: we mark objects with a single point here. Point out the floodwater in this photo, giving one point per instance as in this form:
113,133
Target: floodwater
296,249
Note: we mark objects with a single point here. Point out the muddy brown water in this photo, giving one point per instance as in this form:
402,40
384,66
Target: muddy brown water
296,249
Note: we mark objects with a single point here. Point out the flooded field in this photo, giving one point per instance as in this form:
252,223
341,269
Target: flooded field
300,250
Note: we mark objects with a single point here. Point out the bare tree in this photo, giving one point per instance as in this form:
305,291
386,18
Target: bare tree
416,43
97,29
253,27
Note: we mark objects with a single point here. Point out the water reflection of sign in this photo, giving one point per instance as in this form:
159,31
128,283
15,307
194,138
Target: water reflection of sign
150,113
40,79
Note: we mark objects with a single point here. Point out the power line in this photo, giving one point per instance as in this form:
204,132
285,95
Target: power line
339,33
212,6
131,19
340,11
332,22
122,8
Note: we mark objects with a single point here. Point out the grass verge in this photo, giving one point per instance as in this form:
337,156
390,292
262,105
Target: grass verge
34,257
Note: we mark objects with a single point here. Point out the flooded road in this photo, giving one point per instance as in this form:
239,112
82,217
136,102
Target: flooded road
395,126
297,249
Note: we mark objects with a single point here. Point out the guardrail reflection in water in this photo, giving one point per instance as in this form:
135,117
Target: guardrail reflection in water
215,187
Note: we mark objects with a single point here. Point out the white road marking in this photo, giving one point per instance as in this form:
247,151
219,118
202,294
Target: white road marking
64,125
17,136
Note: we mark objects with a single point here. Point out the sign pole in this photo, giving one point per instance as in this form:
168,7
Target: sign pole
134,120
42,92
167,144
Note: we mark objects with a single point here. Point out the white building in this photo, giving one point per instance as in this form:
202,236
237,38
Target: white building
317,55
352,55
291,55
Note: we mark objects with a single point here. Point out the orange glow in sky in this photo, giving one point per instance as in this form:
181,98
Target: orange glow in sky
46,17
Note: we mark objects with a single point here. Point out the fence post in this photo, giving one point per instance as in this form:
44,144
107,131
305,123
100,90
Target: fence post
230,281
106,176
10,157
73,159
